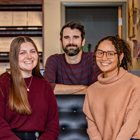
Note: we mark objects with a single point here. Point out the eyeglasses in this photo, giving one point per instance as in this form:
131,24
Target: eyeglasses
109,54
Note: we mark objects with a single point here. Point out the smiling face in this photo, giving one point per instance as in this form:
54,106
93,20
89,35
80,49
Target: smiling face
27,58
72,41
108,63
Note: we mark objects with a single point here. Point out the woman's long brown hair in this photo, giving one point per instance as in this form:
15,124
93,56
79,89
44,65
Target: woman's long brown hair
18,98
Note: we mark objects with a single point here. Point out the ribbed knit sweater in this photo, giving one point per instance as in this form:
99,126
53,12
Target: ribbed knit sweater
44,117
112,107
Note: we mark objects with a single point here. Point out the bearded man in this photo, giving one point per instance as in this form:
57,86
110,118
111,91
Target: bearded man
74,70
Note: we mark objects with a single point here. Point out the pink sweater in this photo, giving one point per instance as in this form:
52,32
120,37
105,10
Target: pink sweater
112,107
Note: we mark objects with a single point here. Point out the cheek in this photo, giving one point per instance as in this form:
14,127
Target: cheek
36,57
78,42
115,61
63,43
98,61
116,64
20,59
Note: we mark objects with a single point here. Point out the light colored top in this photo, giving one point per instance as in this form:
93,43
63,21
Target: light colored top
112,107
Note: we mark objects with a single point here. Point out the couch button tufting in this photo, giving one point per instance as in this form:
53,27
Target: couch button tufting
63,128
74,110
72,121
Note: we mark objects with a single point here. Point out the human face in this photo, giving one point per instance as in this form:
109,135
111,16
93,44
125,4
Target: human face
72,41
108,65
27,58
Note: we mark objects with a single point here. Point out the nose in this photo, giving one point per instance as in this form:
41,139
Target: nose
28,55
104,56
71,40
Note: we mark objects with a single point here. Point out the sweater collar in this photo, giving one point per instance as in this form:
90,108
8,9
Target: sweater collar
116,76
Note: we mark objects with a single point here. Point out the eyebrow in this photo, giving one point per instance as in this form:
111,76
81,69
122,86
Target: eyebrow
106,51
26,50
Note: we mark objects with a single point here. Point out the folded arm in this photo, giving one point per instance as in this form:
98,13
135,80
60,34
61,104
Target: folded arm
69,89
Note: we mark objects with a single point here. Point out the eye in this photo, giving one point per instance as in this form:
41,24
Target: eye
76,36
110,53
99,52
22,52
66,37
33,51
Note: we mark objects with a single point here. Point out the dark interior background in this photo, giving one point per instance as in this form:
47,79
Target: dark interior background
98,21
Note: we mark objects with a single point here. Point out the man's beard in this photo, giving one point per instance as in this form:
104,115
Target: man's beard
72,50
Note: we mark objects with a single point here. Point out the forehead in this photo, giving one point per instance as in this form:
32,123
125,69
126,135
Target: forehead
106,45
69,31
26,46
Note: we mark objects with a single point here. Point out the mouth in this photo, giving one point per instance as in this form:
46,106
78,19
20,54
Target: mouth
28,62
105,63
71,46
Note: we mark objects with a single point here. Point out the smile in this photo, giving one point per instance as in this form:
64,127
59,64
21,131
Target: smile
105,63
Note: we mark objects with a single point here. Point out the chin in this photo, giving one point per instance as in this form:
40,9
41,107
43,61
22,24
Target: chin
104,70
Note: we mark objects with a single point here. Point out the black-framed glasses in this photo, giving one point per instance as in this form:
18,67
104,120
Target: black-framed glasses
109,54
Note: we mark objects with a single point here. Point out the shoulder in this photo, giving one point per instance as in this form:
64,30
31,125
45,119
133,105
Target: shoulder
43,85
4,83
55,57
128,79
88,54
41,81
132,83
4,78
93,86
133,78
92,90
89,58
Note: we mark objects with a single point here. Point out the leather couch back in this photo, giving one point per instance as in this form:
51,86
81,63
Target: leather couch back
71,118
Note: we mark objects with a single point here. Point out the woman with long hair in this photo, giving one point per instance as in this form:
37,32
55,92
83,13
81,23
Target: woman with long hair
28,108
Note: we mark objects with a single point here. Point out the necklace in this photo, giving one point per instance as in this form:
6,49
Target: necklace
28,87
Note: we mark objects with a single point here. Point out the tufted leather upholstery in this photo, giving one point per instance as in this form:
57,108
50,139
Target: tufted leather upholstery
71,118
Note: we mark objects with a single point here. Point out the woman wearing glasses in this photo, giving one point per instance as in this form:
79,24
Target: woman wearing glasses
112,104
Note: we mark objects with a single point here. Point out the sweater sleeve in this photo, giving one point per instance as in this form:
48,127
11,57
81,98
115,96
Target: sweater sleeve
5,131
132,118
92,129
52,124
51,70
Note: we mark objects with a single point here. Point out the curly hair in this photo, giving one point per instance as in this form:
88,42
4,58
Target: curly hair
121,46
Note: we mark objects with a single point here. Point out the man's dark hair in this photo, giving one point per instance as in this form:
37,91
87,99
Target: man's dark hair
73,25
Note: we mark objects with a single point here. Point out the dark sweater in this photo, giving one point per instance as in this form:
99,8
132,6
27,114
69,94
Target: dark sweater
58,71
44,115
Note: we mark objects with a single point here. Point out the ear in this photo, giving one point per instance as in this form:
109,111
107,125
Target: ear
121,57
83,42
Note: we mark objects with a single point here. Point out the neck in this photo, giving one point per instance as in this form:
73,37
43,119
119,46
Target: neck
27,74
108,74
73,59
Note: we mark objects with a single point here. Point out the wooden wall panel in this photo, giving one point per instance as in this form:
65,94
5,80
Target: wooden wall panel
21,1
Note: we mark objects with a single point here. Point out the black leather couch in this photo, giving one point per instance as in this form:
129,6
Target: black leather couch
71,118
